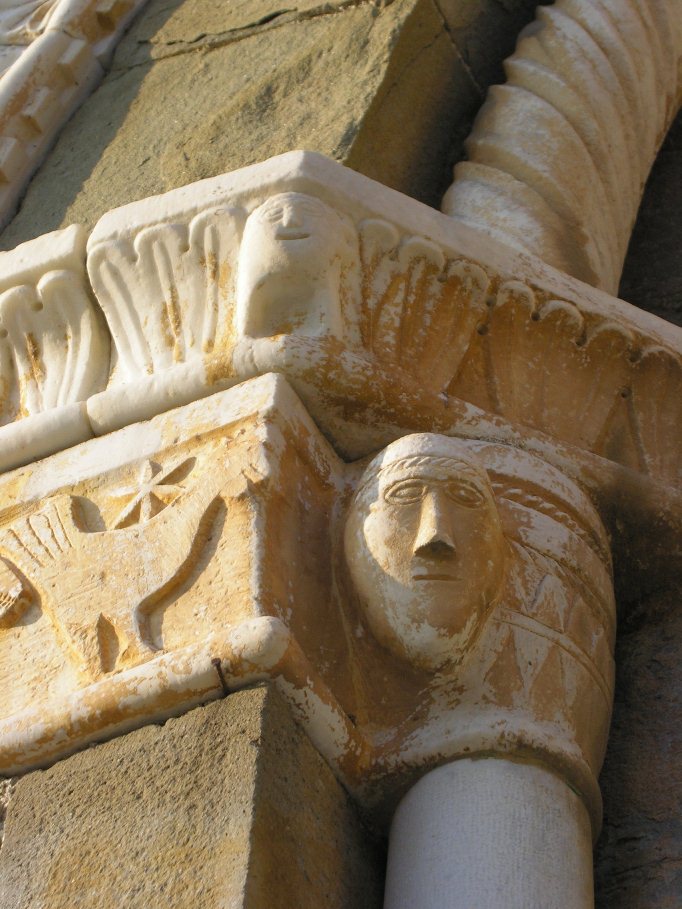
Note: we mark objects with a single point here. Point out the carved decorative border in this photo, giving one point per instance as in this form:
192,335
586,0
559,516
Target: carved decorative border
440,312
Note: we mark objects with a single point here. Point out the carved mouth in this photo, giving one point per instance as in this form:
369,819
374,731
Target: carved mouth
433,576
289,233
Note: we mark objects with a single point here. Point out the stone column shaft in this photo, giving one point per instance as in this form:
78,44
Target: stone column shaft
486,834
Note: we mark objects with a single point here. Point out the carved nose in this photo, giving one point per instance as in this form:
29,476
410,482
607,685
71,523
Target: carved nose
291,218
434,537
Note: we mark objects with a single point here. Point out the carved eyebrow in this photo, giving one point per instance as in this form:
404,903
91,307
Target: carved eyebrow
472,482
309,203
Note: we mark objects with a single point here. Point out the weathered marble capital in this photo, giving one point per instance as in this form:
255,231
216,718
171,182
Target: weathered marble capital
481,577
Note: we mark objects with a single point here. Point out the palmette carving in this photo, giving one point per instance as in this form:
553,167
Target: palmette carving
655,407
419,308
167,296
263,280
59,346
520,335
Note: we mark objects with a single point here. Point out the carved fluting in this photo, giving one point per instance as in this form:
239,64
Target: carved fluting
51,56
419,309
559,155
168,294
510,349
198,296
55,345
507,370
656,408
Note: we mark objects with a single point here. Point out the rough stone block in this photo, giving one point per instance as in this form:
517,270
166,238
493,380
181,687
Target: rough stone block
227,807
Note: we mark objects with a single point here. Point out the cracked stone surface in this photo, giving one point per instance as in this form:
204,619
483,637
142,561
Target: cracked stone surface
201,87
228,805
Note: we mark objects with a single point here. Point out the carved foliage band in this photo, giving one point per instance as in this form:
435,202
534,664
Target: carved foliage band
190,299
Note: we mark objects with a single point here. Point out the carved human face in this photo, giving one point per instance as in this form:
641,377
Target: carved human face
293,226
425,551
290,265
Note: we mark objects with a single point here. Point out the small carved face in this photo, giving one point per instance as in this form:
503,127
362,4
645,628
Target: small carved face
425,551
290,267
297,224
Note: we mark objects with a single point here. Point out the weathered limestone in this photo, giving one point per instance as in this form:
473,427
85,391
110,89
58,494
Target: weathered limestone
178,288
440,616
464,572
468,604
200,88
229,805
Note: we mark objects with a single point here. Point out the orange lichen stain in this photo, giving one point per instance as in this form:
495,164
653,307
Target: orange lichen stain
172,325
224,275
33,354
219,367
209,263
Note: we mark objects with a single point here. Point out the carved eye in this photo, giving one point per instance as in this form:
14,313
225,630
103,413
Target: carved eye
275,214
465,495
406,493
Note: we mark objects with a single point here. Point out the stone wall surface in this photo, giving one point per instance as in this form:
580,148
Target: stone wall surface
227,807
638,859
201,88
652,276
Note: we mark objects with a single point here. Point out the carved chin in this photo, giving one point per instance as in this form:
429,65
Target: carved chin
430,645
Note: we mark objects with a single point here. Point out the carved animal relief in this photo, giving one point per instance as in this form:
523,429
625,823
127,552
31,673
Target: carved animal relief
98,588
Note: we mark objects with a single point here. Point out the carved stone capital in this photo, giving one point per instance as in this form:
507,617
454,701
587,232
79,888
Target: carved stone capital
356,293
446,598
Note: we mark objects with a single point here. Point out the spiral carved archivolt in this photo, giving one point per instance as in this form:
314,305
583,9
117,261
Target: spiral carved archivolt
560,153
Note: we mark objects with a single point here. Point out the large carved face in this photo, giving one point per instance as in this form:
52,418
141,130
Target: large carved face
424,549
290,265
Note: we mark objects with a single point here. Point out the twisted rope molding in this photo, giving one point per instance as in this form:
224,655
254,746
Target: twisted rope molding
559,155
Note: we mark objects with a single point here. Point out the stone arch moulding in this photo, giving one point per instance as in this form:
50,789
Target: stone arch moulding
52,55
559,154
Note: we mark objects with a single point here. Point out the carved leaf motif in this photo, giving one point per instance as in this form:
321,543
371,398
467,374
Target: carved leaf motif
419,309
523,338
657,411
58,344
167,295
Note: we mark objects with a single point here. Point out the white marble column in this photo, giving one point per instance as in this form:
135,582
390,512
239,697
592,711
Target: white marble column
490,834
